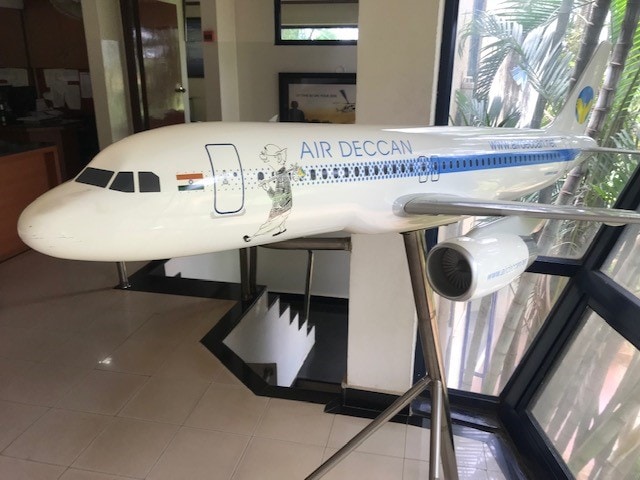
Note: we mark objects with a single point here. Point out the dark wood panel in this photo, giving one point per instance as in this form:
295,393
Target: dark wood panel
54,40
13,52
23,177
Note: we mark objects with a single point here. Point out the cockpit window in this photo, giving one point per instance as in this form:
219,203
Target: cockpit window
149,182
95,176
123,182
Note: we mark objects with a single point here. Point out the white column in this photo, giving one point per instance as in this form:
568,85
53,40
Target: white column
398,55
107,66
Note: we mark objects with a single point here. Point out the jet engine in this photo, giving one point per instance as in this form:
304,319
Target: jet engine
469,267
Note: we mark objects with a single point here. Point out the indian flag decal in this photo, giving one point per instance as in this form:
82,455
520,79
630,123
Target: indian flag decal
190,181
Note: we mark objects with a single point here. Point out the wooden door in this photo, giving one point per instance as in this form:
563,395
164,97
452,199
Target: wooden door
154,63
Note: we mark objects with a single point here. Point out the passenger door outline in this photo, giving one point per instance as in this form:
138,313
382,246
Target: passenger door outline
228,179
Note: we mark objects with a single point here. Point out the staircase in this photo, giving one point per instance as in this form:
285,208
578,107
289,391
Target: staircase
273,334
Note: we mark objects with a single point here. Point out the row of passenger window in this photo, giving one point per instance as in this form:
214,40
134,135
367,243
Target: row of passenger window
123,181
424,166
496,161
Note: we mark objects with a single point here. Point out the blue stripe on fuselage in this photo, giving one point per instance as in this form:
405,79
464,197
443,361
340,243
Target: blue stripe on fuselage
323,173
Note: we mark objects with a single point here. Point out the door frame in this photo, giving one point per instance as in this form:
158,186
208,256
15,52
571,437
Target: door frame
137,86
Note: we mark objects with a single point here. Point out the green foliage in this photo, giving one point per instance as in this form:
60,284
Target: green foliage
524,45
476,113
614,171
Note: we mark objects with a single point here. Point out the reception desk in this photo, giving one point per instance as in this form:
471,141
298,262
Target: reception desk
26,171
64,134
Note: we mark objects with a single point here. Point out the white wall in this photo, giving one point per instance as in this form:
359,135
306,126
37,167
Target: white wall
398,49
280,270
242,65
107,66
396,63
241,79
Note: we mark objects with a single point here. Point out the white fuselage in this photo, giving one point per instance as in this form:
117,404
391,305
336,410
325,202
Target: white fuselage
196,188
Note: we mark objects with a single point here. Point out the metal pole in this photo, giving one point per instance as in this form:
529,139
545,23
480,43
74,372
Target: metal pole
370,429
428,331
436,426
253,270
122,276
307,287
244,274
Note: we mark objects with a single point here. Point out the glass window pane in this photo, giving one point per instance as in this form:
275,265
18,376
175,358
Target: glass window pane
318,20
509,73
484,340
623,265
590,406
123,182
95,176
149,182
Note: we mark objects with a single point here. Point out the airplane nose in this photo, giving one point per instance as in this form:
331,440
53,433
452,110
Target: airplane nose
50,226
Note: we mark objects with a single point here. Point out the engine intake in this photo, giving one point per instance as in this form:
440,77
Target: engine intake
469,267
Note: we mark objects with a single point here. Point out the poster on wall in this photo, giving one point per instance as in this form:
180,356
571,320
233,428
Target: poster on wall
318,97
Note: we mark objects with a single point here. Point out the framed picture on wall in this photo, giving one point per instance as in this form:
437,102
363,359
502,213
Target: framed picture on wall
317,97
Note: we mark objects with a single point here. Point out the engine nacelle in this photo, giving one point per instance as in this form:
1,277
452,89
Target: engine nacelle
469,267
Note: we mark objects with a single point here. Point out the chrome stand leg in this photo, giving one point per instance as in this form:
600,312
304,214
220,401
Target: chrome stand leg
436,430
441,430
248,264
307,287
370,429
123,278
428,330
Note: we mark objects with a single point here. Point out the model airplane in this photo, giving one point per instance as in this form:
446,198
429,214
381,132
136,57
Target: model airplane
205,187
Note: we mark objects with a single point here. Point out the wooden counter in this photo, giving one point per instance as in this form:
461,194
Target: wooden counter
64,134
26,172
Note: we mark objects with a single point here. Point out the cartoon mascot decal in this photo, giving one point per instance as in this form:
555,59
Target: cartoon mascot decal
278,187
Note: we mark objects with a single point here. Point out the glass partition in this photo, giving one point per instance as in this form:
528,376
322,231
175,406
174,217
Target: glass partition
485,339
623,265
589,407
515,61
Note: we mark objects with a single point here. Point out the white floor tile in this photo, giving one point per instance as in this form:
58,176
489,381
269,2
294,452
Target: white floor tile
228,408
200,455
58,437
168,400
123,370
389,440
297,422
359,465
17,469
102,392
15,418
127,447
267,459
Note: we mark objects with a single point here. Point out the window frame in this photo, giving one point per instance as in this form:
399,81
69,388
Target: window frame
588,288
277,6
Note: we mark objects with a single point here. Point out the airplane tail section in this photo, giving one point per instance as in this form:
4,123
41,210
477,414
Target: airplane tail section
575,113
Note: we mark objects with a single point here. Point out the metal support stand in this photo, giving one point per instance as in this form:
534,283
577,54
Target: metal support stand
248,268
442,447
122,276
307,286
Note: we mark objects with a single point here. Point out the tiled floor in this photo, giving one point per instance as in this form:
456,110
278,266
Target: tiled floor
103,384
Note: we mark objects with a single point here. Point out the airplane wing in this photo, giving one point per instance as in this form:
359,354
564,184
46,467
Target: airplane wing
611,150
439,204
